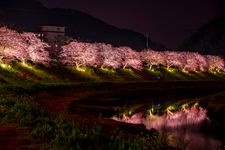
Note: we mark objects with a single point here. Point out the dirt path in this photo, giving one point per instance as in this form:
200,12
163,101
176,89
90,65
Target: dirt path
13,137
57,102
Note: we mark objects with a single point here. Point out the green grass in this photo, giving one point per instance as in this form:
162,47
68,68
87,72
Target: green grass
18,73
174,74
64,134
85,73
19,109
34,72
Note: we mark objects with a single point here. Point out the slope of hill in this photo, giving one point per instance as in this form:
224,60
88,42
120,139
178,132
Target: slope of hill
210,39
29,15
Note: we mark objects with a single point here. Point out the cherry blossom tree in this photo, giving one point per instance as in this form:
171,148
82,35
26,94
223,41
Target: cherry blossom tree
202,62
22,47
79,54
174,59
130,58
13,46
195,61
151,58
191,62
109,56
215,63
72,54
92,55
36,49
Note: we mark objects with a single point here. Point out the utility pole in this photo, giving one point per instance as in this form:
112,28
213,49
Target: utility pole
147,41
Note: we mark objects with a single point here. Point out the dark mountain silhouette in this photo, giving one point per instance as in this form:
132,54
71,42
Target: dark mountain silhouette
29,15
210,39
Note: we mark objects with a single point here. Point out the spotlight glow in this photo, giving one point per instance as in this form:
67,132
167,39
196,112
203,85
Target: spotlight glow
80,69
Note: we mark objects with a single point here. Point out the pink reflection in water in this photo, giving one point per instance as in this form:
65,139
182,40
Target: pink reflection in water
184,117
184,138
134,119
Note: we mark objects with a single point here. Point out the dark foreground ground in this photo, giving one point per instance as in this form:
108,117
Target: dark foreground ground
96,102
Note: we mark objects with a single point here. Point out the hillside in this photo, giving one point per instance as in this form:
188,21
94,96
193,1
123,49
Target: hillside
210,39
79,25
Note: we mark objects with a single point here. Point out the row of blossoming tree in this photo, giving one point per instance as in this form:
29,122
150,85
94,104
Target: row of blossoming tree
105,55
28,47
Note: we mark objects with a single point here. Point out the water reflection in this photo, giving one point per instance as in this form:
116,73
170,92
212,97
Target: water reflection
193,139
186,116
181,127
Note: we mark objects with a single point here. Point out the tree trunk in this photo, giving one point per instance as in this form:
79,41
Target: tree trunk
124,67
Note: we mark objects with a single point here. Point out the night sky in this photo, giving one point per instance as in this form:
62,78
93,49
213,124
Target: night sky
166,21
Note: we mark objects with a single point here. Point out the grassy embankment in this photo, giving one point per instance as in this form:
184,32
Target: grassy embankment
61,132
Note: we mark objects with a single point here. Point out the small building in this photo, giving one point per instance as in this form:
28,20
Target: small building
52,34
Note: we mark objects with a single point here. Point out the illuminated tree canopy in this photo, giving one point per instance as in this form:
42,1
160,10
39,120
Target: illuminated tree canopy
26,46
22,47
